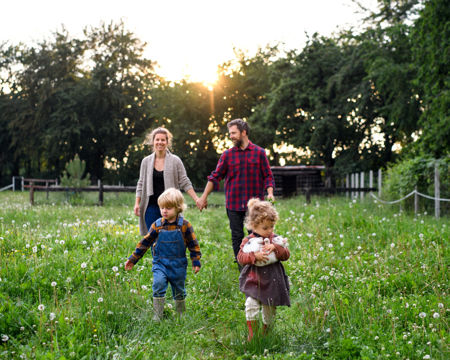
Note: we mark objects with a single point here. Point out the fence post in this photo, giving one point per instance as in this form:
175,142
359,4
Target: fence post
416,201
347,184
22,183
308,195
46,188
100,193
356,185
437,192
31,193
379,182
352,184
361,194
371,178
14,183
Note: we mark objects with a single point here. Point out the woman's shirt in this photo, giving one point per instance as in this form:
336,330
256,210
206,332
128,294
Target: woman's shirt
158,186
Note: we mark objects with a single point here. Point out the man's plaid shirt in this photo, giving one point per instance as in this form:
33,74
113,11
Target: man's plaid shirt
151,238
247,174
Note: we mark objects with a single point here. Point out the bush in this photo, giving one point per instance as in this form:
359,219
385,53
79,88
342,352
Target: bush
406,175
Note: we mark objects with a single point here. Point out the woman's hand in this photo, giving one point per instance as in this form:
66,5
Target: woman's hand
137,211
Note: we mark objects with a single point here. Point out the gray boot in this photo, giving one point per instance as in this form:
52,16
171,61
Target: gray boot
158,308
180,306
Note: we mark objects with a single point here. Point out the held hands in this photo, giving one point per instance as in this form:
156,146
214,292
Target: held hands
128,265
261,256
201,203
196,269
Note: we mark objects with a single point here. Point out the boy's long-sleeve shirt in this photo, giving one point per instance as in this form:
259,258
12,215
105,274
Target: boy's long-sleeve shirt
151,238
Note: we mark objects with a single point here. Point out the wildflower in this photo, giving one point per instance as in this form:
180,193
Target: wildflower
115,268
5,337
169,306
427,357
341,236
436,315
83,265
330,245
392,245
52,316
422,315
35,249
441,305
54,283
41,307
100,299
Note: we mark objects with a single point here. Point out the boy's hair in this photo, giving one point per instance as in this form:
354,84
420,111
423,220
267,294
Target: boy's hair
150,138
241,125
258,212
172,198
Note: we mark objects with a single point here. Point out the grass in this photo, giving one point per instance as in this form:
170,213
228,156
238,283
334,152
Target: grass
367,282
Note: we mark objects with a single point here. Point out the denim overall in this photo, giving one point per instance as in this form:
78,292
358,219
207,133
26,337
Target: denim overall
169,262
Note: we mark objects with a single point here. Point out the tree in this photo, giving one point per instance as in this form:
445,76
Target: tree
431,50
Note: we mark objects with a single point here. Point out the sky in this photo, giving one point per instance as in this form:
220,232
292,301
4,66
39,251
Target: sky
187,38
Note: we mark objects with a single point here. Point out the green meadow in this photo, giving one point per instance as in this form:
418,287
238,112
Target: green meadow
367,282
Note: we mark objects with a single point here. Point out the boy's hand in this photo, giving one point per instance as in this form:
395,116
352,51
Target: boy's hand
128,265
196,269
260,256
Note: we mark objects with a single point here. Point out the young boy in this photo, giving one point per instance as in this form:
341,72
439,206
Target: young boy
168,237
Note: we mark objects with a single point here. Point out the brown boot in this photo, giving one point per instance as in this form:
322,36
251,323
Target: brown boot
252,327
266,329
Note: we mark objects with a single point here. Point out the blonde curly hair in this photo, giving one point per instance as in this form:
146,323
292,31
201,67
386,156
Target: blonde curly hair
258,212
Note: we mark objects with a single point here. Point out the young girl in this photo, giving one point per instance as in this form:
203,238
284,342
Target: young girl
267,286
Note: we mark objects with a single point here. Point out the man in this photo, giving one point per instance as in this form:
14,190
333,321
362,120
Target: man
247,175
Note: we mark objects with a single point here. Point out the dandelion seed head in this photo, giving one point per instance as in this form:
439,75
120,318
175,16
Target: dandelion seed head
41,307
422,315
52,316
54,283
83,265
100,299
436,315
5,337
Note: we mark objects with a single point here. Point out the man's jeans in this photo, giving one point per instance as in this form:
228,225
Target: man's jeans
237,228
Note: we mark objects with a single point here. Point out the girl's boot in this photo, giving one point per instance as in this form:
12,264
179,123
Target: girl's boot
180,306
252,327
158,308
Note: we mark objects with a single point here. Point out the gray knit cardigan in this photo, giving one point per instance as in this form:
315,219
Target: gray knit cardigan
174,176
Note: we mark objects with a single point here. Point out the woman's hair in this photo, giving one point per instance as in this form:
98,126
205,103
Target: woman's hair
150,138
258,212
172,198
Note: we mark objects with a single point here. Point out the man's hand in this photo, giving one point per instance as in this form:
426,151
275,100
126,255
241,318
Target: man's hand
128,265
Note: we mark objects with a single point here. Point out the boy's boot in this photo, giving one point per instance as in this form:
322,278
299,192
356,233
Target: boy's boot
158,308
180,306
252,327
266,329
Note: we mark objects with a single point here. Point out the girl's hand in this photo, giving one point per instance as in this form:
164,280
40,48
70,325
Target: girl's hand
128,265
268,248
196,269
261,256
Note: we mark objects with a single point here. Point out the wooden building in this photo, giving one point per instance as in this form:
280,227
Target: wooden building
291,180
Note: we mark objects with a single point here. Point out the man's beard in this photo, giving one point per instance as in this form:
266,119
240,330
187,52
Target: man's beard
237,143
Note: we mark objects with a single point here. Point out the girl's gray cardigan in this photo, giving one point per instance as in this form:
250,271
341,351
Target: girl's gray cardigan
174,176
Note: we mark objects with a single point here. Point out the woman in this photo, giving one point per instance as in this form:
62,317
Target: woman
159,171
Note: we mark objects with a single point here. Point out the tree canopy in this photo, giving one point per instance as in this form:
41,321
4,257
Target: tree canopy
352,101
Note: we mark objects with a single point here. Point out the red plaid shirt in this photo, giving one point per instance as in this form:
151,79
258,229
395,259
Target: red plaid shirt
247,175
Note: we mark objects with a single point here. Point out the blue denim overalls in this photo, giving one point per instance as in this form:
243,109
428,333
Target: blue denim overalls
169,262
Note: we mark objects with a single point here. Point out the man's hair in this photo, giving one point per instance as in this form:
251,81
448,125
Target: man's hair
241,125
172,198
